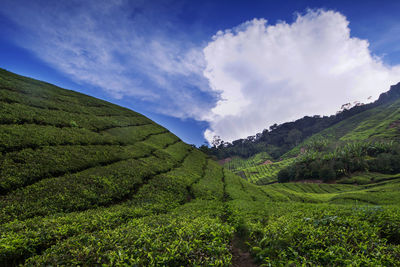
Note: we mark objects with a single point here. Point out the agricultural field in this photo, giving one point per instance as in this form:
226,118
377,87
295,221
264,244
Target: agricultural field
364,178
236,164
87,183
322,224
327,235
265,173
382,192
258,169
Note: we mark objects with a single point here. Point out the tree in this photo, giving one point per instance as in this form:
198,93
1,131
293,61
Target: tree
217,141
327,173
284,176
273,127
294,137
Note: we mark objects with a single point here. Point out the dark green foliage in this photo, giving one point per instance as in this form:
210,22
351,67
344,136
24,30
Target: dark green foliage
28,166
284,175
327,173
18,137
383,157
385,163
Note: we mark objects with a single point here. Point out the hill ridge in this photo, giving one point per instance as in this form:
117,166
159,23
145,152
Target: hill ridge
280,139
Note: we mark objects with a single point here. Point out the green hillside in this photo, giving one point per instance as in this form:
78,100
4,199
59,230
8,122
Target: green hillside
77,171
279,140
238,163
367,141
259,169
379,123
85,182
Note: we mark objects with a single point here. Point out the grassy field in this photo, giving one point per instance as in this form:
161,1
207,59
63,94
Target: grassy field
85,182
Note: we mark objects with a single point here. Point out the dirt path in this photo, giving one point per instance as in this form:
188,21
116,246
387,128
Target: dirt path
240,256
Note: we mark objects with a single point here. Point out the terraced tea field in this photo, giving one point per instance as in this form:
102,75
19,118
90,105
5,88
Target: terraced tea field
87,183
266,173
379,193
74,166
259,169
237,163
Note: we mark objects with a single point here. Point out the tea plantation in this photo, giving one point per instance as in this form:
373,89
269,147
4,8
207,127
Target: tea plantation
85,182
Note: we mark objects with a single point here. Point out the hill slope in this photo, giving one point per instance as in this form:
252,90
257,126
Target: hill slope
375,122
85,182
279,139
368,141
379,123
74,167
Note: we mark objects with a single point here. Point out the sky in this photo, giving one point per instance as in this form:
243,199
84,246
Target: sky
208,68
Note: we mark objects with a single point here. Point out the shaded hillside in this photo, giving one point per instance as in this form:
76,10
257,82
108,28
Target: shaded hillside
363,139
363,142
379,123
279,139
77,172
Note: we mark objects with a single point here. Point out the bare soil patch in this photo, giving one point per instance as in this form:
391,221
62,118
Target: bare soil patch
267,162
240,256
314,182
223,161
395,124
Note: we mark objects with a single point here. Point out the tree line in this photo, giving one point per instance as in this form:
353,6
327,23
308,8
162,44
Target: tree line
279,139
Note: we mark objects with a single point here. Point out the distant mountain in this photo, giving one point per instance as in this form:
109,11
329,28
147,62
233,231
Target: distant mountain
280,139
356,133
380,121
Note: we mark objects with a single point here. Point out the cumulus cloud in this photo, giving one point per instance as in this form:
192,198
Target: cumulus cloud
270,74
127,48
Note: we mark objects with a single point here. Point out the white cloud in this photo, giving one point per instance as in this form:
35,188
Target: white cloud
270,74
127,48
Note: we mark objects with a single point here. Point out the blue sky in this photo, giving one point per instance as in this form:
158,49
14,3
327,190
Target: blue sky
205,68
